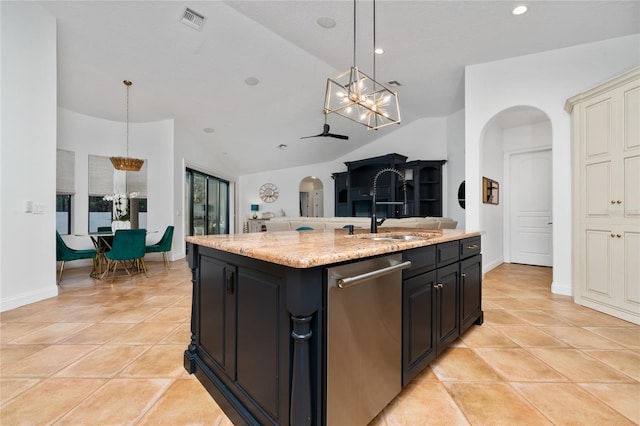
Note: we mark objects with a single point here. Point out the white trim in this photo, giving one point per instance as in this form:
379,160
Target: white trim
27,298
486,267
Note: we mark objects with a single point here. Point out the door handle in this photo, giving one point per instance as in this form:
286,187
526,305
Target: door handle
349,281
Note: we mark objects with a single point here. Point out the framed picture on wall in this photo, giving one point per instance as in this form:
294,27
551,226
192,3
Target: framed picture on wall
490,191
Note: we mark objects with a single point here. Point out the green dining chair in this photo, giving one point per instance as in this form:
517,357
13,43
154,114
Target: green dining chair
163,246
103,229
64,253
128,247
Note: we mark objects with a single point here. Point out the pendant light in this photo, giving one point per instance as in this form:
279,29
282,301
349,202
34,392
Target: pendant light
358,97
127,163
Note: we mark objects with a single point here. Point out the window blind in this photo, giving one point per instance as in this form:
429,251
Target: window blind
137,181
100,175
65,172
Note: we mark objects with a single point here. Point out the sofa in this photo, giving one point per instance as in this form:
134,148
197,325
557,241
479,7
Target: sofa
287,223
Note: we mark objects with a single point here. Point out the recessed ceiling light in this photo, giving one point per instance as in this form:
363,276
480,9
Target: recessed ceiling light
519,10
208,130
326,22
251,81
379,51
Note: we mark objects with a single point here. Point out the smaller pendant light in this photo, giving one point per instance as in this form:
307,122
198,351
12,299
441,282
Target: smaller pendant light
127,163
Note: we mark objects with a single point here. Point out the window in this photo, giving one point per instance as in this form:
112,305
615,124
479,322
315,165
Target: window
63,213
65,188
100,213
208,204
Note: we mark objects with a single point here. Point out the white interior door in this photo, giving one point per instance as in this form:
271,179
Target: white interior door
531,233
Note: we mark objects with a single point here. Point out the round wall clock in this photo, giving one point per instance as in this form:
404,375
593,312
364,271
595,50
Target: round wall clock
269,193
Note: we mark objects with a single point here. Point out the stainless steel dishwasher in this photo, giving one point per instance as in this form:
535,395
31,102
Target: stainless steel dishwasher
364,338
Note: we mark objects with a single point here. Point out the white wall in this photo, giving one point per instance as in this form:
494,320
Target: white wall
424,139
153,142
492,215
544,81
27,154
455,165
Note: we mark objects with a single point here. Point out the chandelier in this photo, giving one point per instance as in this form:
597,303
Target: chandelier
127,163
358,97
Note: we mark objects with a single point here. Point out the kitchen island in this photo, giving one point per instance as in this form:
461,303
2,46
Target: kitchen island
260,312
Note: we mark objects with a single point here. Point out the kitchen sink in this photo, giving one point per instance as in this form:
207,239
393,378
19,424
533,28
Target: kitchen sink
394,237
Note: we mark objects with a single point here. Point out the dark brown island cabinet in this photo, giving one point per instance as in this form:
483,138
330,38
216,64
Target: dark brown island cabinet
259,329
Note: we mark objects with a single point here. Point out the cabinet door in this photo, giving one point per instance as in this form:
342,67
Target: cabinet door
263,335
418,324
217,328
470,292
447,320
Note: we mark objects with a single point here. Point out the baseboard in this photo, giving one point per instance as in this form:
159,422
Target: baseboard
564,289
486,267
27,298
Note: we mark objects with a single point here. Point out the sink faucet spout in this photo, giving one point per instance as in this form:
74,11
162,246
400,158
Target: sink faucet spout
374,219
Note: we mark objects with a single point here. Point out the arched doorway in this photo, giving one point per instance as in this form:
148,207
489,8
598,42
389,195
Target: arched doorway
516,153
311,197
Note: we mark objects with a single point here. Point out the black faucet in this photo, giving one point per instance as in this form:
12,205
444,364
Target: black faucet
374,219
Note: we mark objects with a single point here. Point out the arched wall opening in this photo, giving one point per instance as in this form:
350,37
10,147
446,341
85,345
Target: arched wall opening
515,159
311,197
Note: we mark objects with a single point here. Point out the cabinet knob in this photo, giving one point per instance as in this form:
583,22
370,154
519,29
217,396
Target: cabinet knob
437,285
618,235
613,235
613,201
619,202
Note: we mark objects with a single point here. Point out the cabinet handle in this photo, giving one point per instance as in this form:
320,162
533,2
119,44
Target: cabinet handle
230,283
613,235
619,202
437,285
618,235
613,201
472,247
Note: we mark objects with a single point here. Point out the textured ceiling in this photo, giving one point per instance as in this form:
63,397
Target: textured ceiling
198,77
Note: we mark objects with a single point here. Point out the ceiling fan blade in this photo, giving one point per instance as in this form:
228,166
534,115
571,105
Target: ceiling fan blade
333,135
314,136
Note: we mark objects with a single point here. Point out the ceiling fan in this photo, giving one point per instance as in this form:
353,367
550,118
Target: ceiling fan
326,133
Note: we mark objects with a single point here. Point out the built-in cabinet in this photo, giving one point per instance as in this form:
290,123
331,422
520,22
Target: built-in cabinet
606,196
441,297
354,188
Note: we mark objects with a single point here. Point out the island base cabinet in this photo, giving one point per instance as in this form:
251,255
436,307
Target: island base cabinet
245,340
430,318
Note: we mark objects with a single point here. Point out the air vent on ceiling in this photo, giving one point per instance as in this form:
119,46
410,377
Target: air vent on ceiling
192,19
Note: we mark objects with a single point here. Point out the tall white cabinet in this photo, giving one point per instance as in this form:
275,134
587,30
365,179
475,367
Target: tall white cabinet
606,196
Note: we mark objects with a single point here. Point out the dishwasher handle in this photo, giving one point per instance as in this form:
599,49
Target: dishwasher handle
349,281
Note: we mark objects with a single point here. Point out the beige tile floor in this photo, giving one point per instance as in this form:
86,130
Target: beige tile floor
111,354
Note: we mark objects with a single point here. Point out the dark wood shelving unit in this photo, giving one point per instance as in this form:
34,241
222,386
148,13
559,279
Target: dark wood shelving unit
354,188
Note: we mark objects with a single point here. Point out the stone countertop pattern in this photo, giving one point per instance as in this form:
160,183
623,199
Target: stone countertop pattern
307,249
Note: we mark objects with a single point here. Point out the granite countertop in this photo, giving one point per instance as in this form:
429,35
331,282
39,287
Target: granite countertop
307,249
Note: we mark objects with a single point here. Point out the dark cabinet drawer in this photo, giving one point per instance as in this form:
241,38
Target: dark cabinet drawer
469,247
422,259
447,253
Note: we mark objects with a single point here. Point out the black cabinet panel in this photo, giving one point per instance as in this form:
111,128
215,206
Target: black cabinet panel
217,322
469,247
259,338
418,340
447,329
470,292
422,259
447,253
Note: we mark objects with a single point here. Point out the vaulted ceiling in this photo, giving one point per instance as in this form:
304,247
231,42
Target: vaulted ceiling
198,77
